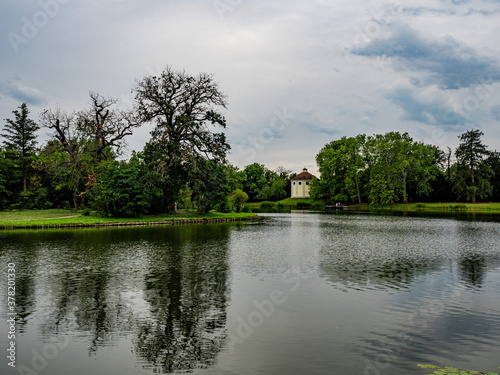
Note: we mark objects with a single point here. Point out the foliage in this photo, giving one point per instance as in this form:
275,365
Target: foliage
210,185
83,140
453,371
10,178
237,198
493,162
473,174
383,168
267,204
183,108
120,190
20,137
185,195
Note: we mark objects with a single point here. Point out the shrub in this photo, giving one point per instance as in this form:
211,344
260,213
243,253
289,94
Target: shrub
267,204
237,198
246,209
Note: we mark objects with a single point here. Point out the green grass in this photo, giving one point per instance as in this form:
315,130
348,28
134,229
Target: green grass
60,217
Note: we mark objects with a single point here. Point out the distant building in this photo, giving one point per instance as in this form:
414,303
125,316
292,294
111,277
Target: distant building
300,184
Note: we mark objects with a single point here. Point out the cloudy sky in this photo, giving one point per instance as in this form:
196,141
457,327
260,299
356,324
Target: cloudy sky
297,74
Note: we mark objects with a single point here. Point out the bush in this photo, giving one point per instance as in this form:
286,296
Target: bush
237,198
224,207
119,190
267,204
246,209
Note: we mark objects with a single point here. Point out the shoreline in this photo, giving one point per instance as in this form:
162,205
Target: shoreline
180,221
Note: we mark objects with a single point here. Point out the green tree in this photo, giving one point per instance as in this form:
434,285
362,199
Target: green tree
493,162
120,189
210,184
84,140
20,136
237,198
10,177
473,173
427,165
236,177
255,180
183,108
331,188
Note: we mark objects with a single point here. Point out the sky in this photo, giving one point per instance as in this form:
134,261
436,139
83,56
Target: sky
297,74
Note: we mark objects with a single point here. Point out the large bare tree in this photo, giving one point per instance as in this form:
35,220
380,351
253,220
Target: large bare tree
88,137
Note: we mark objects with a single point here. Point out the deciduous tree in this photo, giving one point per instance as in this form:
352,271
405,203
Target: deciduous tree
184,110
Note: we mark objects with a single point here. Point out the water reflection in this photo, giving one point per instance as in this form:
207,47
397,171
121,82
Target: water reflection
187,290
164,289
168,299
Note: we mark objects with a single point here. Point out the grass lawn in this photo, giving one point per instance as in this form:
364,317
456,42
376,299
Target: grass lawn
65,217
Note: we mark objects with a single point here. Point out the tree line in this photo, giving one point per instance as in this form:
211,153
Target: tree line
388,168
183,163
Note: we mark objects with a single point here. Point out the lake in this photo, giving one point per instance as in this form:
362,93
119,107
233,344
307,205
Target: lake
293,293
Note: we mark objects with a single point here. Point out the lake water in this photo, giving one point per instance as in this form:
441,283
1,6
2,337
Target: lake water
290,294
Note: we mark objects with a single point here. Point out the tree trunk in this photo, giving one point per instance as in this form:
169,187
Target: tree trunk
75,202
170,209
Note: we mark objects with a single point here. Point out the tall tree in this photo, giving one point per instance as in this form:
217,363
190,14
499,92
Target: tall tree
20,136
473,173
88,137
209,182
494,163
183,108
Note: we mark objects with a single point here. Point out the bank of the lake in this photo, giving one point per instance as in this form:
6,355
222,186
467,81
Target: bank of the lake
308,204
489,207
59,218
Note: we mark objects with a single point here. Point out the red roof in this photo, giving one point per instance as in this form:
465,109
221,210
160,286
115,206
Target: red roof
305,175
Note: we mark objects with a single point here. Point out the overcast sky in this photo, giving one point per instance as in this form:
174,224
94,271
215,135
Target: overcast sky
298,74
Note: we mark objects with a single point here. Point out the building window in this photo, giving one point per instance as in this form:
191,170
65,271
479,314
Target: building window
307,183
300,183
294,183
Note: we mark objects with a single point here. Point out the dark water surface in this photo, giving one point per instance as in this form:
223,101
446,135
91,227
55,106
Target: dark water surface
291,294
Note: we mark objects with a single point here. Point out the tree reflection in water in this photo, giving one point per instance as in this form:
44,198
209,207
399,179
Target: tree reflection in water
187,290
91,291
